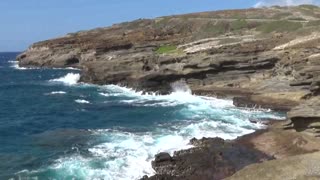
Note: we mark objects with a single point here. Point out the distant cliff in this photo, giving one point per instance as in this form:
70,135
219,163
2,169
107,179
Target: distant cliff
268,57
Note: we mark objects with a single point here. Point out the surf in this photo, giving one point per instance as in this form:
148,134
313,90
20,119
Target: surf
126,152
69,79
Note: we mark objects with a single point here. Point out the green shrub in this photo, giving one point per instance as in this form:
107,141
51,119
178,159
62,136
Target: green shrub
279,26
166,49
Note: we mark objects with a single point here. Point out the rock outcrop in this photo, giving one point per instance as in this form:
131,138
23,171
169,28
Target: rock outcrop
303,167
211,158
306,116
215,158
260,51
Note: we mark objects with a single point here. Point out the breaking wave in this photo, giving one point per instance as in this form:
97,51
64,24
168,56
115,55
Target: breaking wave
57,92
69,79
15,65
127,154
82,101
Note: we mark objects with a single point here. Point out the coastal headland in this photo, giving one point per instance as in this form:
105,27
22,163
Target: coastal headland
260,57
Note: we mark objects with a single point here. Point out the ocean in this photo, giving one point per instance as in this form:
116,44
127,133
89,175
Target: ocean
53,127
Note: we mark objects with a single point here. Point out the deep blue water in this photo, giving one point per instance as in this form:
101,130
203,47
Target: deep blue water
52,127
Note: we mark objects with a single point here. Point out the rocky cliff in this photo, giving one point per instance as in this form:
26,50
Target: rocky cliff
268,57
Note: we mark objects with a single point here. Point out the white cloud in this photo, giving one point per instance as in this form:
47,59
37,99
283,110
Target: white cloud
285,2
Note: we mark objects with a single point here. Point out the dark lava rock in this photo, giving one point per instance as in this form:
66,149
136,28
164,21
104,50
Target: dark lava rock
211,158
161,157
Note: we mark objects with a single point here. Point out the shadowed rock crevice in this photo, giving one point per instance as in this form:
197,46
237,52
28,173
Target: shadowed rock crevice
72,61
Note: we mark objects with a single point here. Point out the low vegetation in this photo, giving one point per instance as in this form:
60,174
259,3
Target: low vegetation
216,28
309,10
313,23
238,24
279,26
167,49
281,15
309,6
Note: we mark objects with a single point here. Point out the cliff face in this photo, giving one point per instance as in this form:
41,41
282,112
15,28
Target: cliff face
268,57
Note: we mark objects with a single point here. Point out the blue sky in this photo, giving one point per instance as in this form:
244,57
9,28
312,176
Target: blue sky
26,21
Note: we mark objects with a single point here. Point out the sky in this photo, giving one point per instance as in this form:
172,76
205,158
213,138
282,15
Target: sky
24,22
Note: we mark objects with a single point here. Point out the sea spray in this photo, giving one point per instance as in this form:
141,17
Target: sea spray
180,86
69,79
15,65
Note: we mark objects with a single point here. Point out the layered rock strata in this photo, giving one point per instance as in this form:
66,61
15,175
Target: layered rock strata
263,58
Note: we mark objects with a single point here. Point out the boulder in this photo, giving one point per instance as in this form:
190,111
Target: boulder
161,157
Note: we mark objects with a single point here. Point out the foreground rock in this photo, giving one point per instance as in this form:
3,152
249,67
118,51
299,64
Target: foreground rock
214,158
281,141
303,167
211,158
306,116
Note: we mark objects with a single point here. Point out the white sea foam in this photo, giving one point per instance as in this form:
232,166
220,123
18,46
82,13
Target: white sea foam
110,95
82,101
68,68
69,79
57,92
126,155
15,65
178,97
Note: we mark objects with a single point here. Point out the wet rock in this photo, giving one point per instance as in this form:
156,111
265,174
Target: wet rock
215,158
211,158
161,157
162,177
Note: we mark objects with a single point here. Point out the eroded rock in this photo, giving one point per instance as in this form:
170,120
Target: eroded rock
297,167
211,158
306,116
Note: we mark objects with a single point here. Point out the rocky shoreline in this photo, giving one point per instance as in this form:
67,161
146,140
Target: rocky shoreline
215,158
268,58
